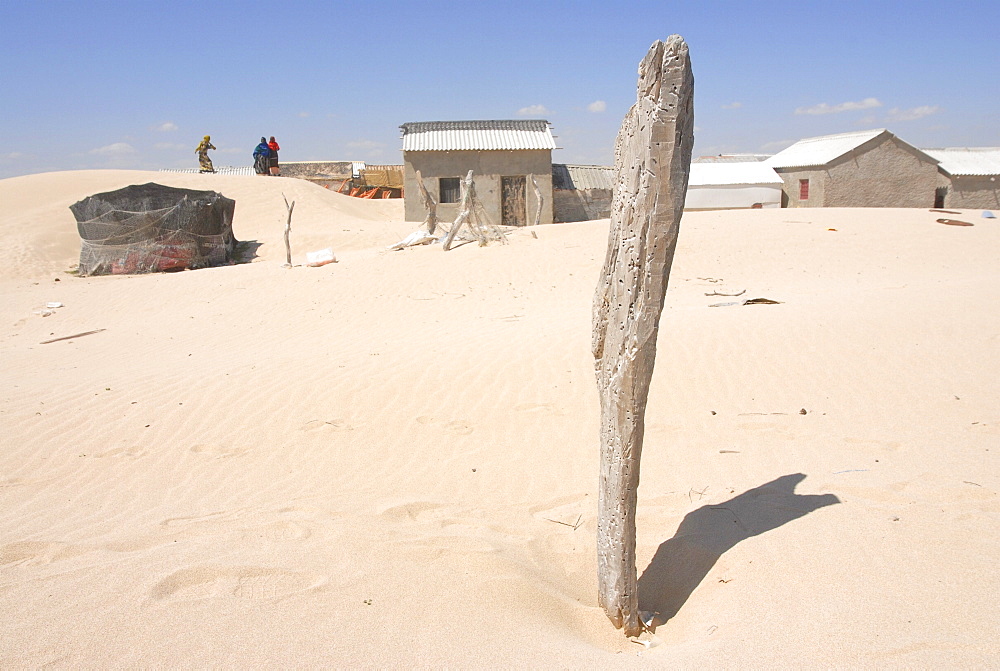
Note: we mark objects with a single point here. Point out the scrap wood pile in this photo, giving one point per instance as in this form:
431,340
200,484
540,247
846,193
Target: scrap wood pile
472,223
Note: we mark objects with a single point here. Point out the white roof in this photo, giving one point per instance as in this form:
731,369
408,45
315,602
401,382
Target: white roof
709,174
821,150
967,160
582,177
732,158
477,135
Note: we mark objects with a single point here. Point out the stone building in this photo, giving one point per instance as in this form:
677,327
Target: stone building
871,168
507,159
581,192
969,177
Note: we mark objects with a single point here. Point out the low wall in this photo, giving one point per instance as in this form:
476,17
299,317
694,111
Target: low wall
324,173
580,204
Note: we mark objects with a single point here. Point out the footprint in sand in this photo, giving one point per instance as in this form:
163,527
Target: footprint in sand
219,451
178,528
412,510
457,426
22,482
212,519
253,583
329,424
38,552
222,523
125,452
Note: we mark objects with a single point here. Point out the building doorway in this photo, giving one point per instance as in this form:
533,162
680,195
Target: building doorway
939,194
513,204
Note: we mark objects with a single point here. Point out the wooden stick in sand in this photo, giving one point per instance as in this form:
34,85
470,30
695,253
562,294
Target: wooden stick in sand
540,199
430,221
652,160
464,211
288,230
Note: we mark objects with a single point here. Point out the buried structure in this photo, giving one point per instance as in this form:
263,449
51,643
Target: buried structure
150,227
652,160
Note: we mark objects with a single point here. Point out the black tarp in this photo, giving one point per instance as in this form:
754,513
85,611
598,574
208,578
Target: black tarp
147,228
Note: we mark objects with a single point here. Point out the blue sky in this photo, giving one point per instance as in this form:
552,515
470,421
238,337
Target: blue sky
136,84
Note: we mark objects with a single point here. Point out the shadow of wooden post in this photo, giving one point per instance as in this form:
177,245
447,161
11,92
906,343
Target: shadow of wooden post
705,534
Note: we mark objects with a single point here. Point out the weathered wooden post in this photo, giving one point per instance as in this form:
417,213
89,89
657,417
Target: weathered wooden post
288,231
539,199
652,161
464,211
430,221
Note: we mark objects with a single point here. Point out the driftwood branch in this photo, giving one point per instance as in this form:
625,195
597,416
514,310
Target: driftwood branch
430,221
472,215
464,211
652,159
70,337
288,230
538,199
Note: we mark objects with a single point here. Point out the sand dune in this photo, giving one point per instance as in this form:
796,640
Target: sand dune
392,460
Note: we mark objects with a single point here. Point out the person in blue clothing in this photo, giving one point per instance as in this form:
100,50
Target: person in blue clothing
262,158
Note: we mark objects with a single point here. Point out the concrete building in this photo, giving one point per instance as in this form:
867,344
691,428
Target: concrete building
969,177
504,156
581,192
732,185
584,192
870,168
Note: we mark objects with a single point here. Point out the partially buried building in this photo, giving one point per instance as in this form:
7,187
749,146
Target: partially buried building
970,177
508,159
872,168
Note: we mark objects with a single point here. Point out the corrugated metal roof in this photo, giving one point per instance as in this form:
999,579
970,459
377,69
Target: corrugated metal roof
565,176
711,174
967,161
477,135
821,150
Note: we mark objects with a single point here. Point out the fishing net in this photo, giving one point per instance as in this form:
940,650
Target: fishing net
151,228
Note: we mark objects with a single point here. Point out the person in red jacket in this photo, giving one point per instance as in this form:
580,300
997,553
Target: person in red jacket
273,161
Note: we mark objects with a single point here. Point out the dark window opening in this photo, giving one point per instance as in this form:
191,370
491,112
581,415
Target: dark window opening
450,189
939,195
803,189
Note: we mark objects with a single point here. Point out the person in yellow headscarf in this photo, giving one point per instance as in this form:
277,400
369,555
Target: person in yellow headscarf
204,162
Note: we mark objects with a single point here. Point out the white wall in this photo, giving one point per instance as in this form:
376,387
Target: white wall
732,196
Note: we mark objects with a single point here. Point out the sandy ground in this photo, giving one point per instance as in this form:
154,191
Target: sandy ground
392,460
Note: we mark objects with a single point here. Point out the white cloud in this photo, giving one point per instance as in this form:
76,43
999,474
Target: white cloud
597,106
823,108
365,144
732,106
303,115
165,127
534,110
12,156
116,149
896,114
